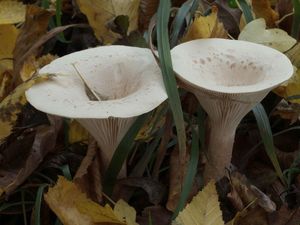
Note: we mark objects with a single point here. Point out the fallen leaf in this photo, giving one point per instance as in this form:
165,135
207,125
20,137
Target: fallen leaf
5,82
294,55
11,12
16,169
203,209
32,64
175,180
256,32
35,26
125,212
152,125
230,17
290,88
249,193
74,208
8,37
100,13
285,216
263,9
147,9
287,111
88,175
254,216
11,106
77,133
206,27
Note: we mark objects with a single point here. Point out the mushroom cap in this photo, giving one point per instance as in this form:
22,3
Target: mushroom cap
127,77
230,66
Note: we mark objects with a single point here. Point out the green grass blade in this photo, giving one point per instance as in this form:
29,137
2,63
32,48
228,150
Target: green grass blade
121,154
191,172
293,97
23,207
246,10
66,171
267,137
58,12
168,74
143,162
189,6
38,204
296,21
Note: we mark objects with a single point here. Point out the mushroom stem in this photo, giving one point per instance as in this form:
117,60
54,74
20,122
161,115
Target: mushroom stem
219,149
108,133
225,112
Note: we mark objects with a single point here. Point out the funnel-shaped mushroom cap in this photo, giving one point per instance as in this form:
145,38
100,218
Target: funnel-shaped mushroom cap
230,66
228,77
127,80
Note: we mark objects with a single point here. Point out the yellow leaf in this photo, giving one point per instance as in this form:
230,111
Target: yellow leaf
101,12
12,105
206,27
5,84
32,64
12,12
263,9
256,32
74,208
125,212
204,209
8,37
290,88
77,133
294,55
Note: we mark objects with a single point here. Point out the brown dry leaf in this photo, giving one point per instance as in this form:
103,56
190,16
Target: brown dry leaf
175,180
287,111
77,133
147,9
74,208
203,209
88,175
35,26
263,9
249,193
206,27
285,216
8,37
255,216
15,171
101,12
32,64
11,106
11,12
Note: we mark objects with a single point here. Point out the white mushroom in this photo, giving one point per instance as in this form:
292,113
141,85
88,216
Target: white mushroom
127,80
229,78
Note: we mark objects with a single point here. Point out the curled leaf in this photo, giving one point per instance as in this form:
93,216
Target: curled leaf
256,32
206,27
